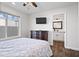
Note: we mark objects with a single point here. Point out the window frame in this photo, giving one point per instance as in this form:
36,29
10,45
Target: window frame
19,26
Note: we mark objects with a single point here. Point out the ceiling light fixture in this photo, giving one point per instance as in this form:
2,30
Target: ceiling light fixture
13,3
27,3
30,3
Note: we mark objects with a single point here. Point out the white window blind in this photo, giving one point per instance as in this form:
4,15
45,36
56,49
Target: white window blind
2,25
9,25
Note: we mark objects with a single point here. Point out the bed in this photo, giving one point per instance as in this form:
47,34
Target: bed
25,47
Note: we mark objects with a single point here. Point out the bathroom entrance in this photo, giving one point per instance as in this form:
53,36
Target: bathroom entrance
58,34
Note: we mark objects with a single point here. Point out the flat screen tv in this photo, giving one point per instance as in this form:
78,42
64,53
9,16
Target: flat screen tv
41,20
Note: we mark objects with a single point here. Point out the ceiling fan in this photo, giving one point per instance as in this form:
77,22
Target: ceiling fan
33,3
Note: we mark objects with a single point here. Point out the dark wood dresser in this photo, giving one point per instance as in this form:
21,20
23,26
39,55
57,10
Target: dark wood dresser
42,35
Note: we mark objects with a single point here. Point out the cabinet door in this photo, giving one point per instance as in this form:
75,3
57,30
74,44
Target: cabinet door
44,35
38,34
33,34
58,36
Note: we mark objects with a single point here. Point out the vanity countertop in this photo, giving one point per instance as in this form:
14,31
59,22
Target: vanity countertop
59,32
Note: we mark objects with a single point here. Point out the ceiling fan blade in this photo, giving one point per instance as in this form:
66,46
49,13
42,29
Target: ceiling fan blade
34,4
24,4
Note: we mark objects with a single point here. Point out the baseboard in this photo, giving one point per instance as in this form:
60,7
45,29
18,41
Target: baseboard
70,48
58,41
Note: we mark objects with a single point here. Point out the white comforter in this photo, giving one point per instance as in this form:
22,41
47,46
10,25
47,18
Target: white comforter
24,47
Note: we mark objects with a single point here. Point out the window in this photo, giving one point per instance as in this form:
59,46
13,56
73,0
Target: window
2,25
12,26
9,25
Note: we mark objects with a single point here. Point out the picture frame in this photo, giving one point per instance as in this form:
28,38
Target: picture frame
57,25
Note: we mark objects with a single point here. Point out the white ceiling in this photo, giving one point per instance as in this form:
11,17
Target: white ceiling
42,6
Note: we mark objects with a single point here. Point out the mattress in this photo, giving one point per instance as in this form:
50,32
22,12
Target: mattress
25,47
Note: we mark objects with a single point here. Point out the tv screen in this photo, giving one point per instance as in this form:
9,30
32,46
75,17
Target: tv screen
41,20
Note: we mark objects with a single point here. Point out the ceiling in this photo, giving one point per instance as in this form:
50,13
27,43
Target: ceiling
42,6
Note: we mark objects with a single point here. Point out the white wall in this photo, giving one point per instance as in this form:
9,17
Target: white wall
0,5
78,22
24,18
70,25
49,26
72,30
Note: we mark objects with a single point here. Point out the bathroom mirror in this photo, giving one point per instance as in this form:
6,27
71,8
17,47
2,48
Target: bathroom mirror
57,25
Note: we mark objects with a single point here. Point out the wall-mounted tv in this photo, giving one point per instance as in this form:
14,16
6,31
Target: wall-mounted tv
41,20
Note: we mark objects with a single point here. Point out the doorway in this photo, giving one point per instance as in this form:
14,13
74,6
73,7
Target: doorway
58,34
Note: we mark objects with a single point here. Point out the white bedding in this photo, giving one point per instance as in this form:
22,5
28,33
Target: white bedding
25,47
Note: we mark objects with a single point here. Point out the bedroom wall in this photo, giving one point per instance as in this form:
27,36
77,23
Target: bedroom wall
78,22
49,15
70,25
72,41
0,5
24,18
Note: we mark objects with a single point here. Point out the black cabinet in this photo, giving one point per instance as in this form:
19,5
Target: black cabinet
42,35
